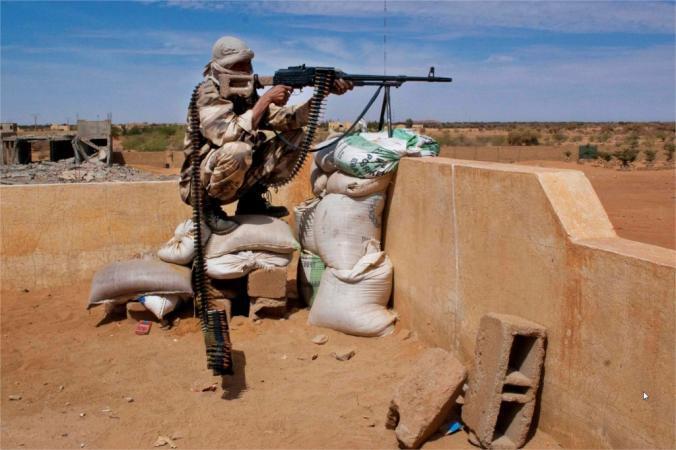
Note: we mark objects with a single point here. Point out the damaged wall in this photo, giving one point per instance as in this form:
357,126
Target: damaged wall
469,238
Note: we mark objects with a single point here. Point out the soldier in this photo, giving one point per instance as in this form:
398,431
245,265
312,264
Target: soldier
242,155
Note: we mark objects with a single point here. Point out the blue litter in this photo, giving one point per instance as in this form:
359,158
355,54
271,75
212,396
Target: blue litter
454,428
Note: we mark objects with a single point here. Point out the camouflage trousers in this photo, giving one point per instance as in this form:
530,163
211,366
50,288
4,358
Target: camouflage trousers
229,171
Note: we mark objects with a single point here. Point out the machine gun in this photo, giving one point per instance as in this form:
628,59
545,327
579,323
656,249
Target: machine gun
321,79
214,322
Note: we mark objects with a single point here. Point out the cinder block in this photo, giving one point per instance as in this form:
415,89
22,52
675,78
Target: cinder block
424,399
268,283
262,306
502,388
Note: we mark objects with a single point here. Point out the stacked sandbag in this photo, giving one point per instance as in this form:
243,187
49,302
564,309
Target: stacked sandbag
259,242
340,230
180,249
164,285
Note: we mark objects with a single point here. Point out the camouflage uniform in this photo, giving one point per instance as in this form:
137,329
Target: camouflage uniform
236,157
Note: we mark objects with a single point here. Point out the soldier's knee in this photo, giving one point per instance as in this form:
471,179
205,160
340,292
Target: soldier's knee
224,170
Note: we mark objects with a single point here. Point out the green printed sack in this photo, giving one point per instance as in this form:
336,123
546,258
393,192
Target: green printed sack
371,155
310,271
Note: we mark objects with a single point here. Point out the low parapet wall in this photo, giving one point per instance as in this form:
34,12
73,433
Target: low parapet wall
469,238
59,234
53,235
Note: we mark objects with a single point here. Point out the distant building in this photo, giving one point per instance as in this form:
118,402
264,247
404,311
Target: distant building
338,126
8,128
60,127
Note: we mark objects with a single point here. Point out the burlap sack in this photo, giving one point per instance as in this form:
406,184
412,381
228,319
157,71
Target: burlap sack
255,232
127,279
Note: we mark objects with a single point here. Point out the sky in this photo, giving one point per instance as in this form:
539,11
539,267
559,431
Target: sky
509,60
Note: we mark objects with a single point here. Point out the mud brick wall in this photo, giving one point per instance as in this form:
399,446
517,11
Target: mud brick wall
470,238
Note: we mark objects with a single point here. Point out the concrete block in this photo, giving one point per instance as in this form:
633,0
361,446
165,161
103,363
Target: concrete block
262,306
502,388
425,397
270,283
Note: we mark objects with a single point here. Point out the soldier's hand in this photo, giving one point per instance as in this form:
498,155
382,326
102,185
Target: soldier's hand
341,86
278,95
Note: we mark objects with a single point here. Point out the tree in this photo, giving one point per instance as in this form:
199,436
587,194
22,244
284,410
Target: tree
409,123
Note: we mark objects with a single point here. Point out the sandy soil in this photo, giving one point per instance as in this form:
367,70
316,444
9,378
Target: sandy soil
73,377
640,203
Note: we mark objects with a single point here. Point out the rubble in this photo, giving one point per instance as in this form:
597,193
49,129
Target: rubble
343,355
501,394
424,399
66,171
320,339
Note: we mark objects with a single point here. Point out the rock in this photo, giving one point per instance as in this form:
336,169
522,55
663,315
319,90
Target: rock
424,399
82,414
343,355
129,399
315,356
320,339
15,397
164,440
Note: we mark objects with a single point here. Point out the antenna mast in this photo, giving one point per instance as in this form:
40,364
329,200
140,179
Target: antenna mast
384,37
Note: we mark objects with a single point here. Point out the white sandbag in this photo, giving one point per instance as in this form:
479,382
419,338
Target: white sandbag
343,225
340,183
355,301
310,271
304,214
160,305
119,281
318,179
237,265
370,155
255,232
324,159
180,249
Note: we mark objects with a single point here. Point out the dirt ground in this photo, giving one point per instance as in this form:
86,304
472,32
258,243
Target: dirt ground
640,203
74,377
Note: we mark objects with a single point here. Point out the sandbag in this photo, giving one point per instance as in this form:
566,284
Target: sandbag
343,225
339,183
355,301
238,265
310,270
318,179
180,249
324,159
304,214
119,281
371,155
160,305
255,232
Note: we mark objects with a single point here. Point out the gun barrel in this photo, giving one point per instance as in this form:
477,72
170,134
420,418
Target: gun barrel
392,78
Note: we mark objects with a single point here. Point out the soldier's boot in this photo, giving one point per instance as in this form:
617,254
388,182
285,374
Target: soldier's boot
255,202
218,220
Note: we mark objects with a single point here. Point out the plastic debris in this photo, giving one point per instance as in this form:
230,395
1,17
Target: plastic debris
454,427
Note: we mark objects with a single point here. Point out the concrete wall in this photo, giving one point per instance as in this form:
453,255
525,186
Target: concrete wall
53,235
468,238
59,234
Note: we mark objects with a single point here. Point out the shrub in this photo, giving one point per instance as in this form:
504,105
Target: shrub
626,156
409,123
649,155
522,137
606,156
669,148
